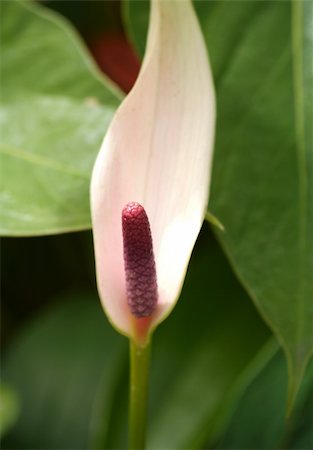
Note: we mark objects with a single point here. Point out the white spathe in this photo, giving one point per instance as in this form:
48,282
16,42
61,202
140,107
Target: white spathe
157,152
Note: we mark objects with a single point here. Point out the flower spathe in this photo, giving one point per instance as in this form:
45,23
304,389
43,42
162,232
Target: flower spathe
158,153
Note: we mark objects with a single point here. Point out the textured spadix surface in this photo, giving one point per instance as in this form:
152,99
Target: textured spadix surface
157,152
141,284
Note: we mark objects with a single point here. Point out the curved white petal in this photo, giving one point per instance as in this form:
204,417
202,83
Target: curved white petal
158,152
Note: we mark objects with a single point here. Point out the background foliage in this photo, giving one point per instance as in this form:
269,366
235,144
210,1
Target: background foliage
218,378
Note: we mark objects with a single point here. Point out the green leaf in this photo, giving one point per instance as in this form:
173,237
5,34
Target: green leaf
262,183
65,366
55,110
203,355
263,430
268,86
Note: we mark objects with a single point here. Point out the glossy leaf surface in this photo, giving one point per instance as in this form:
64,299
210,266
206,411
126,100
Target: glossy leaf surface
262,176
55,110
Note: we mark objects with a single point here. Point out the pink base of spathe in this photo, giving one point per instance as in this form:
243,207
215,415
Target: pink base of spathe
141,329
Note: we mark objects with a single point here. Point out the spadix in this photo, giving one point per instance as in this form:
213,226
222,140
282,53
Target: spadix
141,283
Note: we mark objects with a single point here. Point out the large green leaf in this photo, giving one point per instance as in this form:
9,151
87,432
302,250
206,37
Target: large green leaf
262,188
55,111
263,184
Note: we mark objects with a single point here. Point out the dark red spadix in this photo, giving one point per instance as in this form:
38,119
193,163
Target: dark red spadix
141,282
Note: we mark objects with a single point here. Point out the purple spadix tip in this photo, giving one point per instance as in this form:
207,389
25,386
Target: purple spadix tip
141,282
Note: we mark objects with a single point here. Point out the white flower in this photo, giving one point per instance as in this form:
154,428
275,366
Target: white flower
157,152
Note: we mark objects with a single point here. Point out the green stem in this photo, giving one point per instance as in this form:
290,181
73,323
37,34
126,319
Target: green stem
139,378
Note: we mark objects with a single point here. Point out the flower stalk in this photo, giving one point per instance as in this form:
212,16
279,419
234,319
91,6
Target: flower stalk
138,395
